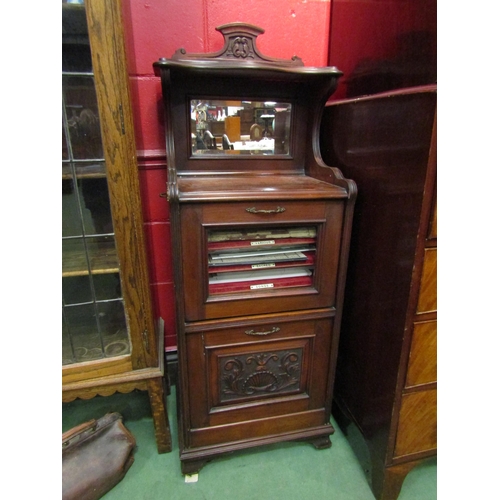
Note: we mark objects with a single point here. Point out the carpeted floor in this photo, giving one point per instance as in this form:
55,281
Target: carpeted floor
291,471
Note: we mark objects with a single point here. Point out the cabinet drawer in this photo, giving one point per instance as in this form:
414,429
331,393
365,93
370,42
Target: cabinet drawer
266,286
422,365
263,371
264,212
427,298
417,429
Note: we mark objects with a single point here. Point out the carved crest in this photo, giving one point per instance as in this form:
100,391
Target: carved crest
239,44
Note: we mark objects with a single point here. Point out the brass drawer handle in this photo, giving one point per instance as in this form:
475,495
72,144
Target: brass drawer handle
274,329
277,210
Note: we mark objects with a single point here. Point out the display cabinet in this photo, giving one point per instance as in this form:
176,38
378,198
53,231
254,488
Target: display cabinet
386,380
260,231
110,341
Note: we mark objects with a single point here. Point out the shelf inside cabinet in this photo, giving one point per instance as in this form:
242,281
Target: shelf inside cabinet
102,259
255,187
84,170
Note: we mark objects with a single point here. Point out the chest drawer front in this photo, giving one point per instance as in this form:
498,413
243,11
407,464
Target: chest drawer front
257,372
205,298
417,429
422,366
427,298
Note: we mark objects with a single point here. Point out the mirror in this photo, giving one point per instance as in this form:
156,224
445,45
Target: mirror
228,127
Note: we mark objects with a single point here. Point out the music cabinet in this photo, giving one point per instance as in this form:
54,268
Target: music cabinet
260,233
386,380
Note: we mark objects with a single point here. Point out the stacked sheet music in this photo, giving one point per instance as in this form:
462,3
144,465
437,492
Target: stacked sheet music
247,260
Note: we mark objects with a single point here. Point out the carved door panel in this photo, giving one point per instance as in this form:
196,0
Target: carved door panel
260,372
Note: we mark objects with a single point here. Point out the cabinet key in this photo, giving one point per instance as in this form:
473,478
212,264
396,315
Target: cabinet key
274,329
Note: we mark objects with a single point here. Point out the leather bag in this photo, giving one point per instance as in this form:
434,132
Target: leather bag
95,457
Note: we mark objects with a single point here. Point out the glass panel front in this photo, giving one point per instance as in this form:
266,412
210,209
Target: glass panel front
82,116
240,127
94,320
259,259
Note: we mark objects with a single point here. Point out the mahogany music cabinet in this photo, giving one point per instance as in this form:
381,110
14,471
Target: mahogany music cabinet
260,234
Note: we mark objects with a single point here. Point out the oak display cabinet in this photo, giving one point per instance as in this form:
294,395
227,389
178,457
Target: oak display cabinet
260,231
110,341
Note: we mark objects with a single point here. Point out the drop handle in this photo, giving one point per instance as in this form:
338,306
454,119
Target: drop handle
277,210
274,329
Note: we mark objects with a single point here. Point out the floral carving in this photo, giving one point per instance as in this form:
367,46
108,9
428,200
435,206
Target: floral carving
260,373
241,47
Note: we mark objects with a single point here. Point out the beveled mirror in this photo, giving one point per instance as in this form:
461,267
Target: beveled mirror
239,127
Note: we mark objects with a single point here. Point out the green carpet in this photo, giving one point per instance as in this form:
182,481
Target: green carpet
292,471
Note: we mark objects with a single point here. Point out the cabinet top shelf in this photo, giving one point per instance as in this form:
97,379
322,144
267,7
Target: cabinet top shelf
240,54
255,187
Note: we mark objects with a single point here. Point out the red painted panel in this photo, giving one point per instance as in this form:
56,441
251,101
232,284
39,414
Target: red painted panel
149,117
292,27
156,28
159,252
153,183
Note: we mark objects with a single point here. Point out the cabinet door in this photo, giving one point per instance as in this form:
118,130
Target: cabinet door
106,303
239,258
248,378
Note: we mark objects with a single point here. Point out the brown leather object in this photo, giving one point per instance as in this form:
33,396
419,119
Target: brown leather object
95,457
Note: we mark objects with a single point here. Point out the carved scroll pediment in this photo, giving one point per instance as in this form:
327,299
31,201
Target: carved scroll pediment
239,45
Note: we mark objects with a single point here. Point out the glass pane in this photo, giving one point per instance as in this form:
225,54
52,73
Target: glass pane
107,286
74,258
94,199
102,254
65,153
240,127
71,219
76,289
67,351
80,104
76,54
83,328
114,328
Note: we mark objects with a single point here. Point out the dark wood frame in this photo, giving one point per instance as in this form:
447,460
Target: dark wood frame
143,369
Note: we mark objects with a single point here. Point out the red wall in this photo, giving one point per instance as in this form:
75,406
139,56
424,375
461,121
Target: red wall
397,36
156,28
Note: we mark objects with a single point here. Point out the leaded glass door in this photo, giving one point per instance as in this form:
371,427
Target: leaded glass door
94,319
